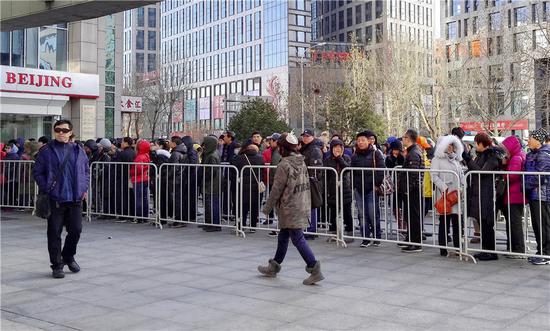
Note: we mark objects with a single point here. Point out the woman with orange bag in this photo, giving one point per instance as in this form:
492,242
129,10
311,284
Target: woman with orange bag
448,156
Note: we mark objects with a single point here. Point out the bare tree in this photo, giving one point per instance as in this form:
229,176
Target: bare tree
159,93
492,76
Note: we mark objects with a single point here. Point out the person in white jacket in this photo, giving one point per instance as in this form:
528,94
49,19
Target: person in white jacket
448,157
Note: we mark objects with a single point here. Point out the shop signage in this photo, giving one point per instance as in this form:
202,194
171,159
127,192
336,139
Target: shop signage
130,104
50,82
500,125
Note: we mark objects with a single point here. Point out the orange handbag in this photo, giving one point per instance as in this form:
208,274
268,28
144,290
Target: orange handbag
444,205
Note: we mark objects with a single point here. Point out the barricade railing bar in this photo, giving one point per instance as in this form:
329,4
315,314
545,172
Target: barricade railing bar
511,212
403,219
375,205
202,194
17,186
323,220
124,190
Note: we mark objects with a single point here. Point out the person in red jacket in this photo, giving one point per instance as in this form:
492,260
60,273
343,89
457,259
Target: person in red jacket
139,176
514,197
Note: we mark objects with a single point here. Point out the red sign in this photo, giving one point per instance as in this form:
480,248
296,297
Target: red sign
35,81
218,106
130,104
501,125
330,56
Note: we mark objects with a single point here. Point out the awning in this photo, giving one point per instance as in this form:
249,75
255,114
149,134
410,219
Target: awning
32,104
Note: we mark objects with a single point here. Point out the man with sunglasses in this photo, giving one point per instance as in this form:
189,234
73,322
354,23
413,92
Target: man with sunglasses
61,171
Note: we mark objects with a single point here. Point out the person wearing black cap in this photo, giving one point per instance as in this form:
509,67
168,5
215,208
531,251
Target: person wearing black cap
365,184
537,189
291,198
313,158
123,193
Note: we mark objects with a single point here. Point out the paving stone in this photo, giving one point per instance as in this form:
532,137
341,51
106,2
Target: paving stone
185,279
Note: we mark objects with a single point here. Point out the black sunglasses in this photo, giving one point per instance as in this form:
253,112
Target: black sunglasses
61,130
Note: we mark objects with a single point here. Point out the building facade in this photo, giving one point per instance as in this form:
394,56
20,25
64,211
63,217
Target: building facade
141,42
65,70
219,53
502,48
376,25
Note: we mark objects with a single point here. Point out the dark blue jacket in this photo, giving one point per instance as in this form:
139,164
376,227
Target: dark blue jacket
538,161
47,165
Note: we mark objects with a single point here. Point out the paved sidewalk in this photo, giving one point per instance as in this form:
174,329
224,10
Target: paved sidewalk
184,279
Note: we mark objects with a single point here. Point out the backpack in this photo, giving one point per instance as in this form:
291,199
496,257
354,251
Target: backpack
500,181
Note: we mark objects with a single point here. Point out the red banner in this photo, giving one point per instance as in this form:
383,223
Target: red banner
501,125
218,107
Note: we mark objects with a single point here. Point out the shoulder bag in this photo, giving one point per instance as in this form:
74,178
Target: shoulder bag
261,185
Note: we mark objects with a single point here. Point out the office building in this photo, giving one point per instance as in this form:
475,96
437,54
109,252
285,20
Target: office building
219,53
504,45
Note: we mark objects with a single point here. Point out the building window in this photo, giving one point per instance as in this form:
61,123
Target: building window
495,21
341,21
140,18
474,25
452,31
465,27
248,59
368,11
152,17
249,32
258,25
349,17
139,39
358,14
455,7
520,102
521,42
151,40
151,62
379,8
379,32
258,57
541,38
31,46
53,48
17,47
521,16
300,20
139,62
368,35
496,74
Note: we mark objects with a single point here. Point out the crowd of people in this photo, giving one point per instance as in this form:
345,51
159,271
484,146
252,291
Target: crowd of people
413,192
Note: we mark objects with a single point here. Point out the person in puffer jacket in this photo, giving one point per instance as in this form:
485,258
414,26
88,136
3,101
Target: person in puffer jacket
291,198
538,191
139,176
448,157
514,198
339,161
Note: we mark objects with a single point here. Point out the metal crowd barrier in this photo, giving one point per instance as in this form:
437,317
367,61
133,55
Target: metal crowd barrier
218,196
114,193
17,187
513,229
201,194
323,220
403,221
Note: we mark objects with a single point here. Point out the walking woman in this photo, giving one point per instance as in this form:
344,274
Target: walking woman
290,196
448,156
